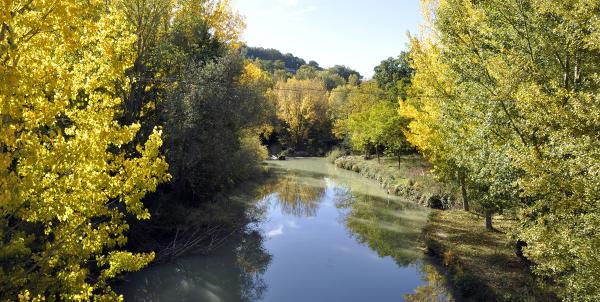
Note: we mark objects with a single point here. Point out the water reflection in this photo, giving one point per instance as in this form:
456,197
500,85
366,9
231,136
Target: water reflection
434,291
327,235
297,193
388,226
233,273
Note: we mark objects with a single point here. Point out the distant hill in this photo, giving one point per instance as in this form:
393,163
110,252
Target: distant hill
291,62
273,59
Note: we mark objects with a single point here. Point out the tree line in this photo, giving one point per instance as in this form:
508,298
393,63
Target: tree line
504,103
113,112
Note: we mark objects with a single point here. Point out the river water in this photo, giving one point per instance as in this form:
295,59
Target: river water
327,234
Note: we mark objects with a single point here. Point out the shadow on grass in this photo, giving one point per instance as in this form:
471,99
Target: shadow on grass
480,265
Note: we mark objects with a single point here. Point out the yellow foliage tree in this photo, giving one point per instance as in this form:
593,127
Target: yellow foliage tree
219,16
65,186
349,99
301,104
507,91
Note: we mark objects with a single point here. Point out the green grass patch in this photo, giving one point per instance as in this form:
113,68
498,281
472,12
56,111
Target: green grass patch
482,265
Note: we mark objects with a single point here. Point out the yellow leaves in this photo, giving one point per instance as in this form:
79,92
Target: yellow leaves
227,23
253,74
63,168
503,95
119,262
301,104
218,14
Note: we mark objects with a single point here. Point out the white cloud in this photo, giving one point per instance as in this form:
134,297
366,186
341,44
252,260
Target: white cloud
293,224
275,232
343,249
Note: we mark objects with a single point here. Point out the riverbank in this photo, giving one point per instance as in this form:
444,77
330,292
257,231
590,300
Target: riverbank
407,177
181,225
479,265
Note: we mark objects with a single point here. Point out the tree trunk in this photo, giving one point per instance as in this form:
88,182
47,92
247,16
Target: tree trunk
377,152
488,221
398,153
463,190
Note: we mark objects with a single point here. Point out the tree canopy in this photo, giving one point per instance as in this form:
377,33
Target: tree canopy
66,181
268,54
506,91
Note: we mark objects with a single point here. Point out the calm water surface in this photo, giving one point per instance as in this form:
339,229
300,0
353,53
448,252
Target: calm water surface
327,235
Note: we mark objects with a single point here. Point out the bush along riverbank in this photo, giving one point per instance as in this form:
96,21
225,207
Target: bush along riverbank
478,265
407,177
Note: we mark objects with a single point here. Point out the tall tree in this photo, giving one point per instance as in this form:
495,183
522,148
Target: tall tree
379,125
516,82
66,185
171,34
302,106
209,118
394,75
348,99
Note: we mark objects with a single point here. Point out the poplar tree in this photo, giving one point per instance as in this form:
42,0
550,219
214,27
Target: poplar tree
506,92
65,185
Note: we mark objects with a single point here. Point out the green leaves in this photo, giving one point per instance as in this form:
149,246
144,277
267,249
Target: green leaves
507,91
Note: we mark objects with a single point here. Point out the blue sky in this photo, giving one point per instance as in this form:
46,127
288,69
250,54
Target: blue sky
358,34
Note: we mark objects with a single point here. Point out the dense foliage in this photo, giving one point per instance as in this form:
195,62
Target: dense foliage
212,122
67,183
302,107
366,117
273,55
394,75
505,94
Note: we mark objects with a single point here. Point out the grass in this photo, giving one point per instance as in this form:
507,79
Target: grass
482,265
409,178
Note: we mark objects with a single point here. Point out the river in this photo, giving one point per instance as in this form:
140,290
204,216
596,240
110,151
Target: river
326,234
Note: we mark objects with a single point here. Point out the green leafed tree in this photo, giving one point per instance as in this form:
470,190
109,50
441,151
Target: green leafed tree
394,75
211,118
506,93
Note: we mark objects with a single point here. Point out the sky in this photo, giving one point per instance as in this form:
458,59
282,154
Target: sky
358,34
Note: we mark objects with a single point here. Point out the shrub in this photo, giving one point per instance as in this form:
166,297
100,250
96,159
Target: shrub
334,154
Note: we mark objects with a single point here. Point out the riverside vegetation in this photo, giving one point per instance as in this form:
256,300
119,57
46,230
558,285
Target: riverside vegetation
133,119
468,261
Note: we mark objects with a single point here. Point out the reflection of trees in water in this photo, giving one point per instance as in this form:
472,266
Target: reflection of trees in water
342,197
253,259
297,193
232,273
434,291
389,227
